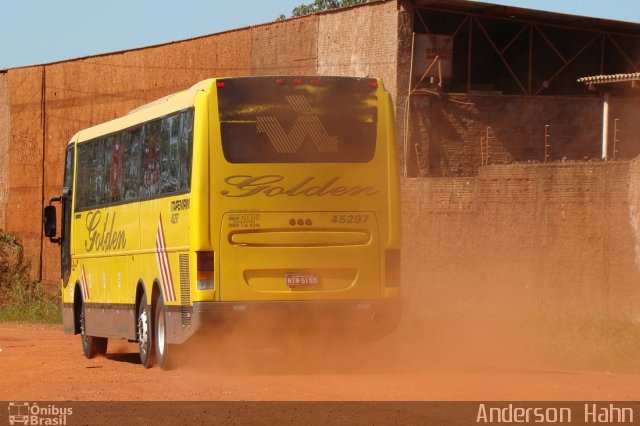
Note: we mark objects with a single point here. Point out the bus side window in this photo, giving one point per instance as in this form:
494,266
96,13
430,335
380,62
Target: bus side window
83,177
186,148
132,147
169,165
151,160
102,162
91,174
115,169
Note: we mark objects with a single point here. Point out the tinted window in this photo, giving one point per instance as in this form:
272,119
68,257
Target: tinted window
113,165
269,120
185,149
137,163
68,170
92,178
132,148
151,159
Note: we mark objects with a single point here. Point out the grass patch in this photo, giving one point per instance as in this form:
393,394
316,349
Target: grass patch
31,302
22,299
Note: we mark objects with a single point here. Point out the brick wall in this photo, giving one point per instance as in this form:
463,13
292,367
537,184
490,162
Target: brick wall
361,41
529,239
5,129
285,48
625,109
448,131
403,70
24,165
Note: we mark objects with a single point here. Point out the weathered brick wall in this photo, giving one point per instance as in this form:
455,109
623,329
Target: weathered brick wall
361,41
5,128
285,48
625,109
448,131
403,70
24,168
529,239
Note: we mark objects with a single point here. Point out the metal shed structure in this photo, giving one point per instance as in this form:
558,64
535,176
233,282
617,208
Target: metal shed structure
496,84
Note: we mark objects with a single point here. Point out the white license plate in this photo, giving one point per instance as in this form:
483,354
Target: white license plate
301,279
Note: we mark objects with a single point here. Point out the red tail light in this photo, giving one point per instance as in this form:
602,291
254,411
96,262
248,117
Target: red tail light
220,84
297,81
393,268
281,81
373,83
205,270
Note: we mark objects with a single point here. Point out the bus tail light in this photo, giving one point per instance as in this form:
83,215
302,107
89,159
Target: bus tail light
205,270
393,268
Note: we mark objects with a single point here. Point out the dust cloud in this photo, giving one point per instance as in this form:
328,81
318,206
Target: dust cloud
423,343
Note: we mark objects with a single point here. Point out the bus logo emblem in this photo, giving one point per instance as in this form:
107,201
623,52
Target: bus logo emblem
306,124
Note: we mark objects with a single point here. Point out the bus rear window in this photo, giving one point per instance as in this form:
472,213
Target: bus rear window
298,119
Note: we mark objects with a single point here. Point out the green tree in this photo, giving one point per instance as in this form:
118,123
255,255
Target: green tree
320,5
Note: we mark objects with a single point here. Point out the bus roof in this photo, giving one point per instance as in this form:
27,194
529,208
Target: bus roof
158,108
163,106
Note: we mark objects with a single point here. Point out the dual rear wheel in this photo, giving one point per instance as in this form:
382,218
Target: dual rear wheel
151,332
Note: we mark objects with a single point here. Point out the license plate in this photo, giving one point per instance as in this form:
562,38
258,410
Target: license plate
302,279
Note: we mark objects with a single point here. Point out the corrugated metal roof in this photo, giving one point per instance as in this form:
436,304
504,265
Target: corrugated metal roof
611,78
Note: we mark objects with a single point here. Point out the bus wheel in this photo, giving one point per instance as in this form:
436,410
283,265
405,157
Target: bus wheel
163,349
144,332
91,345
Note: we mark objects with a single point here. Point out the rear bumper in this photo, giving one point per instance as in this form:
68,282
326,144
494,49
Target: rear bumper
368,318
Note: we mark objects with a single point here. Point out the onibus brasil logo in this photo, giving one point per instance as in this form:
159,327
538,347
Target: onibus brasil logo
28,413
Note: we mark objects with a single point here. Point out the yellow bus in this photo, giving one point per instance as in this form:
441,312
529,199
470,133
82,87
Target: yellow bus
237,198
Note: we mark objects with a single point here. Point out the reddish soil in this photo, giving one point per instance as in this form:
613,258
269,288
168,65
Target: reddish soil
39,362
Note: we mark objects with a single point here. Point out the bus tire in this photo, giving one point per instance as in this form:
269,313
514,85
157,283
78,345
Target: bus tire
144,326
91,345
162,347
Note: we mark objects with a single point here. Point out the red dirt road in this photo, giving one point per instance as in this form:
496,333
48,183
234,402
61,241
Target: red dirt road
39,362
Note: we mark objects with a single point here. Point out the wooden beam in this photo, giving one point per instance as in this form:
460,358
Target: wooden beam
501,56
573,58
504,49
469,51
622,52
550,43
530,82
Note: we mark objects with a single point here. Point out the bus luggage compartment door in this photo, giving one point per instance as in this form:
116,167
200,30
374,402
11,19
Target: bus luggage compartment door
299,256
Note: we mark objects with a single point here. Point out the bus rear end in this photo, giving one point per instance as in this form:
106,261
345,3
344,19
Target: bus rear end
304,202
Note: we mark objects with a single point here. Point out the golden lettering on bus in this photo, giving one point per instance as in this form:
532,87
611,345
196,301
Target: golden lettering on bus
272,185
102,236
